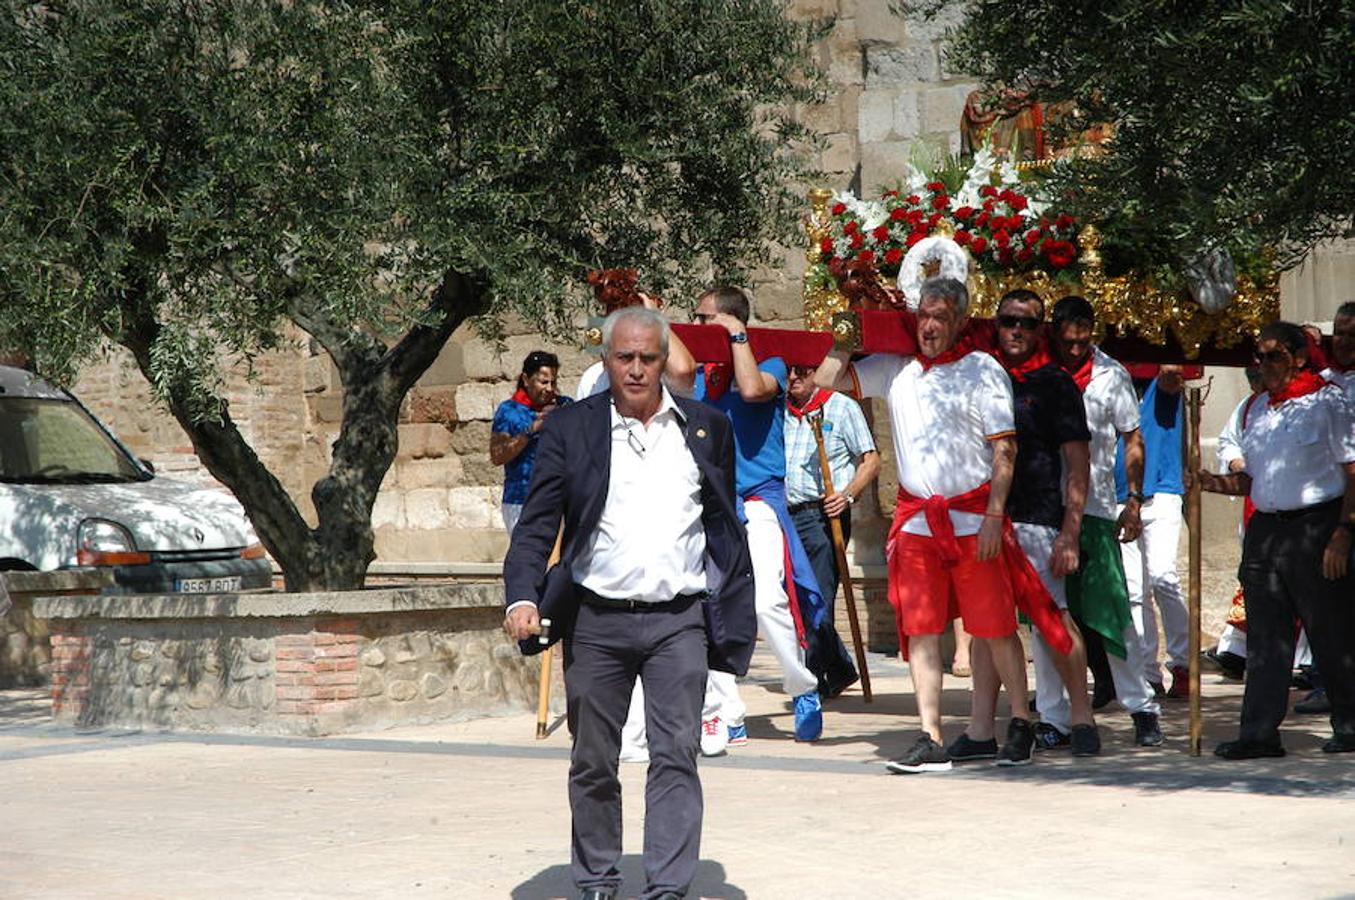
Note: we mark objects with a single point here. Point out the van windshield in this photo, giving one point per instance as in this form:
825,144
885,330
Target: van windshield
45,441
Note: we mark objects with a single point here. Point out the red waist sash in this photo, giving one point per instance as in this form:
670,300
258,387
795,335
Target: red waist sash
1032,598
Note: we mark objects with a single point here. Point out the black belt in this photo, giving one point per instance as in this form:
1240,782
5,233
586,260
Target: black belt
1286,514
796,507
636,604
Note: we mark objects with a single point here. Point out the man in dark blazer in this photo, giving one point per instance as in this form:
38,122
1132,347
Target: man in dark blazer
654,581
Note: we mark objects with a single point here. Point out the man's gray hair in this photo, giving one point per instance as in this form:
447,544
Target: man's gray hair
637,315
947,289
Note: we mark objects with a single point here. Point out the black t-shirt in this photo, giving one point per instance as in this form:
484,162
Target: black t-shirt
1049,413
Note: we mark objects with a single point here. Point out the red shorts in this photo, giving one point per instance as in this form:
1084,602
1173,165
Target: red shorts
927,594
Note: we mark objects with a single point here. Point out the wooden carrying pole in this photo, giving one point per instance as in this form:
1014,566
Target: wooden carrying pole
840,550
547,657
1194,402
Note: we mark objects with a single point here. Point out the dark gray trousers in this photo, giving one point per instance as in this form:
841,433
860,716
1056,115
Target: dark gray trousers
1281,575
608,648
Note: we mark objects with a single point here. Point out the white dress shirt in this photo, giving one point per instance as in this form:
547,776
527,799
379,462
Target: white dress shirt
943,422
650,543
1294,451
1112,410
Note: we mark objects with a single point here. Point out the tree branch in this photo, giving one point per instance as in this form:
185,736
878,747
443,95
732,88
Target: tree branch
458,298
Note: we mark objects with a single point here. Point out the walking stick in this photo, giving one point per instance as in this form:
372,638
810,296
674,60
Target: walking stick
840,550
1194,401
547,656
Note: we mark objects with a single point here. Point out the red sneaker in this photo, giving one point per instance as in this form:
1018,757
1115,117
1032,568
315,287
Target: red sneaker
1180,689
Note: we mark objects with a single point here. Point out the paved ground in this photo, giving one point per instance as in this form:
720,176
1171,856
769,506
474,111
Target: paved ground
478,809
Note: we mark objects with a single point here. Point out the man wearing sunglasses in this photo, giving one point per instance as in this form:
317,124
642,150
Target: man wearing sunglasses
1299,453
1047,497
1098,594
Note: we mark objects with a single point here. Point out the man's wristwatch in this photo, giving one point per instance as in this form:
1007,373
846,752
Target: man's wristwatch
1136,495
739,337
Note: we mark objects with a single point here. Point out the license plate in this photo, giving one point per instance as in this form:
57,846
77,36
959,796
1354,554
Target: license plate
209,585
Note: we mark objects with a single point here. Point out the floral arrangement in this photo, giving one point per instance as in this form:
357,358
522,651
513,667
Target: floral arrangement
1003,225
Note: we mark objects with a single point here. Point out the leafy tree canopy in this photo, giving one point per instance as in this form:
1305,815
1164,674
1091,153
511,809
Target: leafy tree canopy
1234,123
184,178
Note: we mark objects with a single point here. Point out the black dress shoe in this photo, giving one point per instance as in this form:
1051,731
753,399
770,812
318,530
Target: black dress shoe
598,894
1341,743
1241,749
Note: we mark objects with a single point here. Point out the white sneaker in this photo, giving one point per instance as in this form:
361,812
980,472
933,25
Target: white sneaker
634,753
714,736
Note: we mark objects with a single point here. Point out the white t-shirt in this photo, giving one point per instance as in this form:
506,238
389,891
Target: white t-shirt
594,380
1230,438
1112,410
1344,380
1294,451
942,421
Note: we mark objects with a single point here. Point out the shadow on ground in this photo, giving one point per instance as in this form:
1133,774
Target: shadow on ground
710,882
25,706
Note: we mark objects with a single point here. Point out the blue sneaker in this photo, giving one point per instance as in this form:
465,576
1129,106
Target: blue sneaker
808,717
738,735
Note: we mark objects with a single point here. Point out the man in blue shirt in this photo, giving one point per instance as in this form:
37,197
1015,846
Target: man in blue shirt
789,603
517,422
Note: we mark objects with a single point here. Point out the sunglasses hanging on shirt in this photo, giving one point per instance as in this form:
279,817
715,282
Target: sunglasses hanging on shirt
632,441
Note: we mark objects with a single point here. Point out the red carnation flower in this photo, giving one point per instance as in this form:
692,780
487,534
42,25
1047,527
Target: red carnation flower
893,256
866,256
890,194
839,209
1060,253
1033,236
914,237
1063,222
1018,202
964,212
835,261
898,213
936,186
987,191
1025,255
881,233
933,219
1001,238
963,238
1015,223
940,201
826,245
915,217
913,199
982,219
850,227
988,205
856,240
979,245
1004,256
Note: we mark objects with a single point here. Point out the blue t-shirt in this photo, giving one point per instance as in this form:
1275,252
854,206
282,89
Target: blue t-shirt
1161,422
512,418
759,428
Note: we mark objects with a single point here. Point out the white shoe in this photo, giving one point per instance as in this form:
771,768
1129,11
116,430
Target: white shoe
714,736
634,754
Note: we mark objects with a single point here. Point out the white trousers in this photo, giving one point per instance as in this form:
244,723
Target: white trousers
766,546
1051,694
1150,570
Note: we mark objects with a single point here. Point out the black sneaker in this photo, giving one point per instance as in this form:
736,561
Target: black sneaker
1047,737
1241,749
965,748
1316,703
1147,731
1086,740
925,756
1340,743
1020,742
1232,666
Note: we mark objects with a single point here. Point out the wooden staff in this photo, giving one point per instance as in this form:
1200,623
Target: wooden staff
543,686
840,549
1194,401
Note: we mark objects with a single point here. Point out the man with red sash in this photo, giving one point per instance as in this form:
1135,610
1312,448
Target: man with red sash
1098,594
951,545
1297,553
1052,459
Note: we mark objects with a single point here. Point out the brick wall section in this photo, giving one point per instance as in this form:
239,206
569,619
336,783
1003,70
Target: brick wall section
70,669
317,669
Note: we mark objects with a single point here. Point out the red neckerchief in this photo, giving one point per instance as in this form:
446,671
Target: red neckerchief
1082,375
819,399
718,376
521,396
958,350
1303,383
1037,360
1032,597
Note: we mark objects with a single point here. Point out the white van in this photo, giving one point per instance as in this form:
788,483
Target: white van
72,495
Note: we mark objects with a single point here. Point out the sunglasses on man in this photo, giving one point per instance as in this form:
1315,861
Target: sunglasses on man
1272,356
1028,323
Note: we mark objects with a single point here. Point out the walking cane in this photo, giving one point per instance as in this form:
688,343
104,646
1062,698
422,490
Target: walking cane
1194,517
543,686
840,550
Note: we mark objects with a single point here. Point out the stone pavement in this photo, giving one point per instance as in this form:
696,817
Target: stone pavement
478,809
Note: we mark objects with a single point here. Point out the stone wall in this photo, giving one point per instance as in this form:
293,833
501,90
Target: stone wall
292,664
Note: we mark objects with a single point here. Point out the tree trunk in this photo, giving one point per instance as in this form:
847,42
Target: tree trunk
334,555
